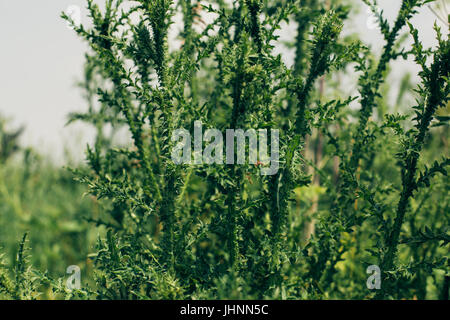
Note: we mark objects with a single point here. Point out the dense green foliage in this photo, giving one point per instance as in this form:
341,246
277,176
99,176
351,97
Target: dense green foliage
362,181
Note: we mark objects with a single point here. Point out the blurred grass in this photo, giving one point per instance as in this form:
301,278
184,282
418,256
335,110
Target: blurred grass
44,200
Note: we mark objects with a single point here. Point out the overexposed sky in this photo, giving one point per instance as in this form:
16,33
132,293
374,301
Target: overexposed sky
41,59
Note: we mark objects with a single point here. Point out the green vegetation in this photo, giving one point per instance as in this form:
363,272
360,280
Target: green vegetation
362,180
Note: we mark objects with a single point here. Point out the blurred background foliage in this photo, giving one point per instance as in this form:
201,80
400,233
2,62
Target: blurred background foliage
43,200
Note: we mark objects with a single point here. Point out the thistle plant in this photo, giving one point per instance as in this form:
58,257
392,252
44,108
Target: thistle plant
202,225
358,180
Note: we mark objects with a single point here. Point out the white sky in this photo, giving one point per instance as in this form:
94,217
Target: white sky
41,59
